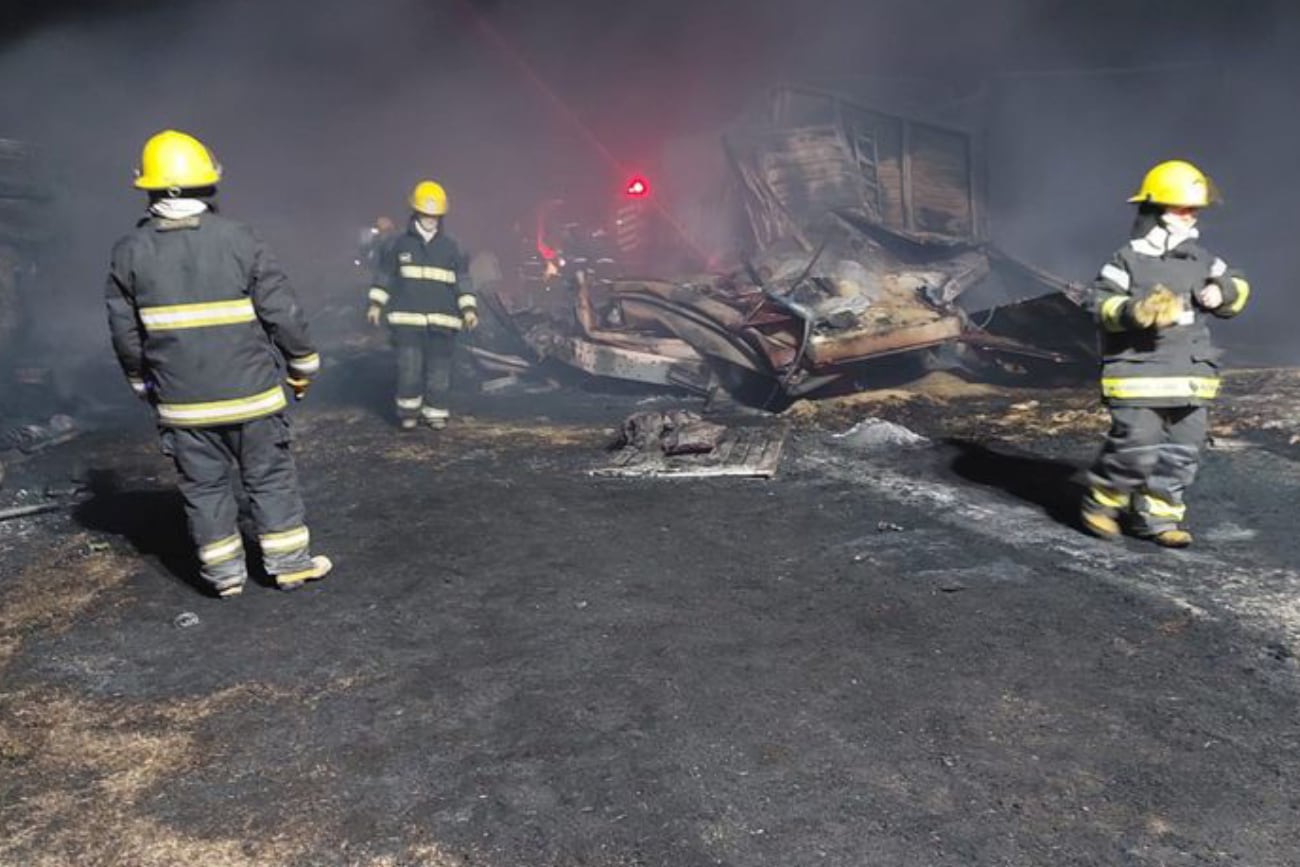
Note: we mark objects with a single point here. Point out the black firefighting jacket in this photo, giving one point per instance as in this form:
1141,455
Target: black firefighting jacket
1174,366
198,308
423,284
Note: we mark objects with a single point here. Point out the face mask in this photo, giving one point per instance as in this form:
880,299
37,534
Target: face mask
1178,224
178,209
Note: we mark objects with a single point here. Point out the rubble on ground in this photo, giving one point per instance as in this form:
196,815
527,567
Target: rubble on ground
674,432
682,444
876,434
19,441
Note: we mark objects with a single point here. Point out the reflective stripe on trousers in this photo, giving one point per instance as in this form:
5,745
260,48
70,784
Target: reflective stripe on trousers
424,367
1159,387
255,454
1152,455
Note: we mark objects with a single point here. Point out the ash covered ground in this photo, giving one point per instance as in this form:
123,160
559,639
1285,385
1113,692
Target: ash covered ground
885,655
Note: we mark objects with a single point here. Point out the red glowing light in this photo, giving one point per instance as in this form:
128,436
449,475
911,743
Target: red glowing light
637,188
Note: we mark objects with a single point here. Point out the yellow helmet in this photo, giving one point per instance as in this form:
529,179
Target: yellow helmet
1177,184
172,160
429,198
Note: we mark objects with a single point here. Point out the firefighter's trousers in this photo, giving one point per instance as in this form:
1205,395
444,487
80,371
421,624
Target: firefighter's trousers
1150,458
254,455
424,361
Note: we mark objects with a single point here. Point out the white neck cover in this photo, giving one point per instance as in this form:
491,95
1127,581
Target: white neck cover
177,209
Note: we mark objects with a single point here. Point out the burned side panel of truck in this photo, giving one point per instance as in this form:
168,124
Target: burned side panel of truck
814,153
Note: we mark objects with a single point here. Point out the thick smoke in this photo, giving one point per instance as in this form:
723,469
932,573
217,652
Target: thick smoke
324,113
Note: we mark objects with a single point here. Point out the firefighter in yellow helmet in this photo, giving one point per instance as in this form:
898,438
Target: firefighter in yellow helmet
1154,301
422,290
207,330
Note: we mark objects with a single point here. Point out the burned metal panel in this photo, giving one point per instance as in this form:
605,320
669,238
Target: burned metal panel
802,106
818,153
1050,326
708,334
793,177
877,141
861,345
616,362
942,189
809,170
769,220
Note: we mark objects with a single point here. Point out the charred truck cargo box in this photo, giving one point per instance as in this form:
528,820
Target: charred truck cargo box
865,230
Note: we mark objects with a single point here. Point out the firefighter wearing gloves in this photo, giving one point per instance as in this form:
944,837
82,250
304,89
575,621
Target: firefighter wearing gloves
422,290
1154,301
196,303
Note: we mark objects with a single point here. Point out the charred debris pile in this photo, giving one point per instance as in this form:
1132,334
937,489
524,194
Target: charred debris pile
868,233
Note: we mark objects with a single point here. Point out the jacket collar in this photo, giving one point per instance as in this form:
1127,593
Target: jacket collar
417,231
1160,241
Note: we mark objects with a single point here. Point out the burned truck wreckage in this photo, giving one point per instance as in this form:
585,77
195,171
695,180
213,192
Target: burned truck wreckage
868,236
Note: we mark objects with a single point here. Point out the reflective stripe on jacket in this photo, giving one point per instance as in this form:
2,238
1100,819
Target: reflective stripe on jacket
197,308
1173,366
423,284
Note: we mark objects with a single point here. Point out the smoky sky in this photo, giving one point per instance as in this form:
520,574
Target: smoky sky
324,113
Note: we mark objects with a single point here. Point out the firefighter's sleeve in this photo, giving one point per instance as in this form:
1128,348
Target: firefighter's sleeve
381,280
1235,289
1112,297
465,298
277,307
124,323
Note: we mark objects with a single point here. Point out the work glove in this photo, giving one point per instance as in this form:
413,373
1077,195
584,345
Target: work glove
299,387
1210,296
374,314
1159,308
471,319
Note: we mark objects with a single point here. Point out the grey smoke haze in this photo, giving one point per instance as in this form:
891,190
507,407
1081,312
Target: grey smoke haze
323,113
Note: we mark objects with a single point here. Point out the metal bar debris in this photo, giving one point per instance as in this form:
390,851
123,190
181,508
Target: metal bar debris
25,511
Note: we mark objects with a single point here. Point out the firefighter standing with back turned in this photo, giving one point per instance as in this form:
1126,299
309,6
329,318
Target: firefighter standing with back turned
422,289
198,308
1153,301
